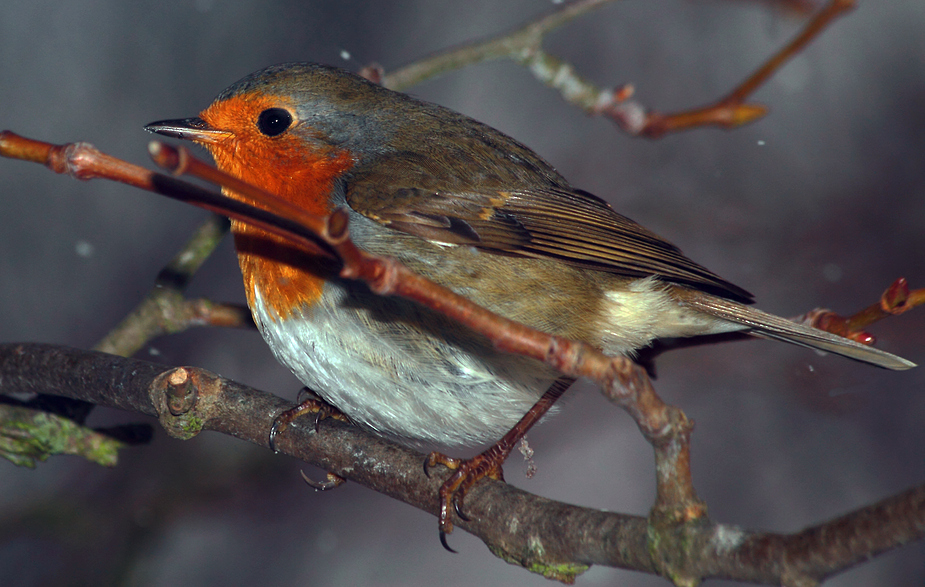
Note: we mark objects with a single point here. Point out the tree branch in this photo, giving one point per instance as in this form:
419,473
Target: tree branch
524,46
521,45
165,310
554,538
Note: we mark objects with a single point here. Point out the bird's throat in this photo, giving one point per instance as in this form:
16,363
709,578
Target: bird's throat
297,170
289,280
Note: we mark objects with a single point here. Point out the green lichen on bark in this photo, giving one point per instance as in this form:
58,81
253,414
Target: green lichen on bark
28,436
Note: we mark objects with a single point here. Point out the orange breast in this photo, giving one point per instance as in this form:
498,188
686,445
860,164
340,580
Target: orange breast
291,168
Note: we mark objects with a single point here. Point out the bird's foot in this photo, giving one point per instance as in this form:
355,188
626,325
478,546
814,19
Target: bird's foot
466,473
311,404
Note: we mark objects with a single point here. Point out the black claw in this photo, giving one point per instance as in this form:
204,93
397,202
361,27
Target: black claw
274,432
304,394
443,542
427,468
458,508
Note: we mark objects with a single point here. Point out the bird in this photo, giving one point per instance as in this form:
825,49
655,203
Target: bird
471,209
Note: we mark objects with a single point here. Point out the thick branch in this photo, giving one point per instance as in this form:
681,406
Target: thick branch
520,527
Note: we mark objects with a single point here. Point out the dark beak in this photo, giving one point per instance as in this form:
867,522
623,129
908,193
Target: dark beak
190,129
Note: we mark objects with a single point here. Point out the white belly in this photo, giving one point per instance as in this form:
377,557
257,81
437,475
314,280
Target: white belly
417,390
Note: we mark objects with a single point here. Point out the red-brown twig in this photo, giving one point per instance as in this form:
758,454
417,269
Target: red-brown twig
730,111
897,298
524,45
164,310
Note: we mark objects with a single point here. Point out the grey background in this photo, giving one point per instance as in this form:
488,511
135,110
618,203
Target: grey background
821,203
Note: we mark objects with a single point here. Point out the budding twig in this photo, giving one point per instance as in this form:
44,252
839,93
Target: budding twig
524,45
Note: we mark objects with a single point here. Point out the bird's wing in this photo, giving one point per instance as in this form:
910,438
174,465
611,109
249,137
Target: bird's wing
550,221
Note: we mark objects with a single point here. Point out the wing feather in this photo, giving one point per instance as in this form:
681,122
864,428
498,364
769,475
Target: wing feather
550,220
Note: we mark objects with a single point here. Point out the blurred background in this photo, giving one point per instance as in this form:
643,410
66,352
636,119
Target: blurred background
822,203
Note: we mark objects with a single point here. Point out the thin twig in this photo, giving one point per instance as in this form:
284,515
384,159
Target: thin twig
897,299
520,44
165,310
730,111
524,45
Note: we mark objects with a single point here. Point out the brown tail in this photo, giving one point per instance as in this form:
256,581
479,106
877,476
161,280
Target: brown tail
770,326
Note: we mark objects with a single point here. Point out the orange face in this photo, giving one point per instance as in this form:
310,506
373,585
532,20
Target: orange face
299,170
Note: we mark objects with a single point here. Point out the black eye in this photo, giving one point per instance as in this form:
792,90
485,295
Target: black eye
274,121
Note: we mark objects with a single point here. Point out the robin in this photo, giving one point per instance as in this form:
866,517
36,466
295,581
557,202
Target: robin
470,209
